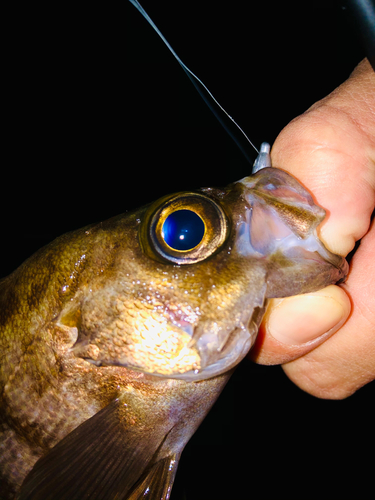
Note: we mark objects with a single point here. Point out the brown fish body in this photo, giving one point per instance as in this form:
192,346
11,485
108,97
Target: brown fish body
115,345
46,390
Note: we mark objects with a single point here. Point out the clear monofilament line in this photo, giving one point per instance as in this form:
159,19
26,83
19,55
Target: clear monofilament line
233,129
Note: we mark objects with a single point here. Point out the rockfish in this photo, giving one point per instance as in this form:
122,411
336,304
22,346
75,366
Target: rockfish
116,339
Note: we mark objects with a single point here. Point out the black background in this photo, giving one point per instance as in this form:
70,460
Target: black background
101,119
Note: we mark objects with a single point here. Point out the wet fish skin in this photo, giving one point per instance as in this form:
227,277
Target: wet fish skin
142,426
69,314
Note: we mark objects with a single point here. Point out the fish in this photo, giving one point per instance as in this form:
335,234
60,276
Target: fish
116,339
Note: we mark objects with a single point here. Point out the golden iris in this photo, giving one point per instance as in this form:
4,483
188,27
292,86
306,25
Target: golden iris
183,228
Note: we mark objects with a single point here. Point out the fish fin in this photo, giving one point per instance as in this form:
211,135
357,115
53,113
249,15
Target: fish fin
103,458
157,482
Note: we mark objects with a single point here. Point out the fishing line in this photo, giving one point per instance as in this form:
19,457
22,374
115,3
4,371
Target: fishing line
232,128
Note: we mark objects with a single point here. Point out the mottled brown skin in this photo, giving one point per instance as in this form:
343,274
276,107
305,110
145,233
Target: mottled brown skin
80,285
46,391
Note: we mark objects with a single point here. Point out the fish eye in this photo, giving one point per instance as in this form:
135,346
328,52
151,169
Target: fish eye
184,228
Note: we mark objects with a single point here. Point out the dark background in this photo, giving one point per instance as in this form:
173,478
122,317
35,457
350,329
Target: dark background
100,119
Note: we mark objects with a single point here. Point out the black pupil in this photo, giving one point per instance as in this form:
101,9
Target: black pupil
183,230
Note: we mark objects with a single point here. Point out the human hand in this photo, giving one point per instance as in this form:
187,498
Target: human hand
331,150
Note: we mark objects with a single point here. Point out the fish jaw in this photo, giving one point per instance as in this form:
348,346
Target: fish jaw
281,226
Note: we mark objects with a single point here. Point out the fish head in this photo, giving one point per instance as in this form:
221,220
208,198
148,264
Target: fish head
186,279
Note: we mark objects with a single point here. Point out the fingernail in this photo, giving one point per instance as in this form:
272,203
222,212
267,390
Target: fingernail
298,320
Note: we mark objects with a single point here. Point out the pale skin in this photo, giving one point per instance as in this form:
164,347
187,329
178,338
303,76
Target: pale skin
325,341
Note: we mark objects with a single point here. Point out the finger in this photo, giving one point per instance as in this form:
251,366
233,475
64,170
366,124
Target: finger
331,150
294,326
346,361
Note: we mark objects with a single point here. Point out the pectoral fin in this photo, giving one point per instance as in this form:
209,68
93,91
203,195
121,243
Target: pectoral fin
104,458
157,481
